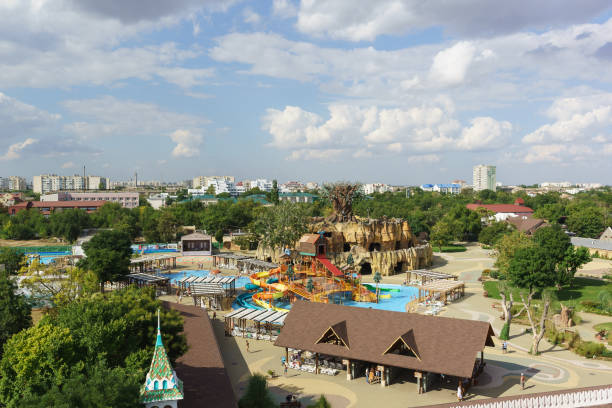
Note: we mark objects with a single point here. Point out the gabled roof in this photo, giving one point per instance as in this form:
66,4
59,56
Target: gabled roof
310,238
526,223
194,236
339,331
444,345
408,340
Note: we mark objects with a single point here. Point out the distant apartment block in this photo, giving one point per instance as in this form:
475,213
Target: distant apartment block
484,178
297,197
201,181
13,183
372,188
292,187
48,183
127,200
48,207
451,188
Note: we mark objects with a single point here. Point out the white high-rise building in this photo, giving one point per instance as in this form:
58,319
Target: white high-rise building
484,178
4,184
203,180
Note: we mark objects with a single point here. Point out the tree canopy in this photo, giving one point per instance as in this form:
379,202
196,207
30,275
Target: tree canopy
15,310
108,255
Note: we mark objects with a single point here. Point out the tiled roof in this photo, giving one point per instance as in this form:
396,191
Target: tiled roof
592,243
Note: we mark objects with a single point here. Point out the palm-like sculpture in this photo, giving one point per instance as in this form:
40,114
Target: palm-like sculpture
341,195
377,278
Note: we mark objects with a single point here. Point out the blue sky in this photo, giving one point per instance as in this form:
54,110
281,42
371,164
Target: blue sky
395,91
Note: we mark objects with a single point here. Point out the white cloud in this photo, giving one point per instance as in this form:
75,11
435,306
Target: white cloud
365,20
68,165
14,150
72,44
450,65
250,16
187,143
577,118
284,8
485,133
378,131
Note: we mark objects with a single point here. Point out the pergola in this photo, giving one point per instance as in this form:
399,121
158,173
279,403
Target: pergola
148,279
268,320
256,265
151,262
426,276
213,288
228,260
445,288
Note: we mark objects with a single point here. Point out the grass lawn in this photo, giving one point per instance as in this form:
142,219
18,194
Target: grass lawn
582,289
453,248
603,326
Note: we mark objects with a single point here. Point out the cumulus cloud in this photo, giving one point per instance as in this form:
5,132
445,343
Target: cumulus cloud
250,16
67,44
377,131
14,150
581,118
284,8
450,65
365,20
187,143
68,165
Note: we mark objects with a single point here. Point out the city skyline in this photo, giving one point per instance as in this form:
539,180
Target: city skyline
416,95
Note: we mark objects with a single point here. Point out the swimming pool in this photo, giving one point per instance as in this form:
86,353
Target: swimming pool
396,302
174,277
46,258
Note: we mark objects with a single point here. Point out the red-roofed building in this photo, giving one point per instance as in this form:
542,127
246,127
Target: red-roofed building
47,207
502,211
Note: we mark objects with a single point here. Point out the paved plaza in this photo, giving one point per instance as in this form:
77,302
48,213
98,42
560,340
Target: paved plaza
555,369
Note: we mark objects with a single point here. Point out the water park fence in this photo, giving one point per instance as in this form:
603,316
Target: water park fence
42,249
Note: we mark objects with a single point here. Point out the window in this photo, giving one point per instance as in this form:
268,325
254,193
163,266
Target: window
156,385
165,384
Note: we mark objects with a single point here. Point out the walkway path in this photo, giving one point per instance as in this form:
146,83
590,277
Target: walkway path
201,369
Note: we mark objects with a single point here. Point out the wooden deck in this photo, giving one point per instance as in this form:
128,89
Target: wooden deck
205,379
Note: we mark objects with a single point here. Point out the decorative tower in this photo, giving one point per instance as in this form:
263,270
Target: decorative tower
162,387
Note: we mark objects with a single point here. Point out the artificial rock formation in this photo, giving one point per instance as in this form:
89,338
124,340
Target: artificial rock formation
387,246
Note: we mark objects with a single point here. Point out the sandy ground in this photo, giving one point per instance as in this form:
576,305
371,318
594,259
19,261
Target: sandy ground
553,370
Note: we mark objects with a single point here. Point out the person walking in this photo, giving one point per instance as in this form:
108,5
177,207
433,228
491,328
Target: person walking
459,392
214,315
247,346
505,347
522,381
285,369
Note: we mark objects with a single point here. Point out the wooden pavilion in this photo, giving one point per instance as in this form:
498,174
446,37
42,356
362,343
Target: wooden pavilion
161,283
216,292
393,344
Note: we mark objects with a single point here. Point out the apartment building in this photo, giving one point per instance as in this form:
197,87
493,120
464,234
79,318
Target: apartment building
484,178
200,181
47,183
371,188
451,188
48,207
127,200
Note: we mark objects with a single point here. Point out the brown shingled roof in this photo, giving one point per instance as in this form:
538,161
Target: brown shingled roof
443,345
310,238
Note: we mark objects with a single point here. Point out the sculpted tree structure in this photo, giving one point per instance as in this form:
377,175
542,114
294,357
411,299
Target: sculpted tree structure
341,195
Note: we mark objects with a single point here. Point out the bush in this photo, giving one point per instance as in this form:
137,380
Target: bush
486,272
607,277
590,349
494,274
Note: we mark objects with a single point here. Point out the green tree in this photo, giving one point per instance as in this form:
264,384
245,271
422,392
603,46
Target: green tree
257,394
309,285
282,225
68,224
34,359
586,222
12,260
108,256
274,192
506,247
167,226
441,234
558,247
98,387
490,234
211,189
552,213
377,278
466,224
321,403
15,310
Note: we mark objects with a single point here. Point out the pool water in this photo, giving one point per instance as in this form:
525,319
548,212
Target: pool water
46,258
396,303
174,277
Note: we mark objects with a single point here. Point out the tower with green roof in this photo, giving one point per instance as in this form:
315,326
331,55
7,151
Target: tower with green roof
162,388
